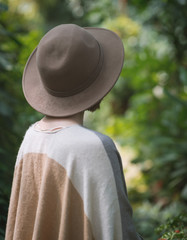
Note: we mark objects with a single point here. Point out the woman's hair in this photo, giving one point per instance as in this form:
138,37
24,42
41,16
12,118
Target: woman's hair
94,107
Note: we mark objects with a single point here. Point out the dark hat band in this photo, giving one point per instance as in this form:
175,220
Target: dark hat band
85,84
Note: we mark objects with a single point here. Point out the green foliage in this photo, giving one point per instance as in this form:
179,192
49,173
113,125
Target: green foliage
148,110
151,220
174,228
7,139
168,17
12,103
81,12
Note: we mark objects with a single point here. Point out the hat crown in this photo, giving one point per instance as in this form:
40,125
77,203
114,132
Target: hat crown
68,59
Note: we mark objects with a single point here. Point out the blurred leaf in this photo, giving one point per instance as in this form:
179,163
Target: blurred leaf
5,109
174,98
5,64
183,75
3,7
184,193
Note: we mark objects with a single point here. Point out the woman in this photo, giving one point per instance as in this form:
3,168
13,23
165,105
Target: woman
68,180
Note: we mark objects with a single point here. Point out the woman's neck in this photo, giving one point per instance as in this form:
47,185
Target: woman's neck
51,122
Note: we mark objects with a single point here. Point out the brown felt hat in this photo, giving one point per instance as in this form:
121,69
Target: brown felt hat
71,69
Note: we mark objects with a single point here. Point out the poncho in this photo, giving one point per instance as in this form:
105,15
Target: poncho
68,184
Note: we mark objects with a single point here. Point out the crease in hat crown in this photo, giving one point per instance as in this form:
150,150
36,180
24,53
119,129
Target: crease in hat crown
68,59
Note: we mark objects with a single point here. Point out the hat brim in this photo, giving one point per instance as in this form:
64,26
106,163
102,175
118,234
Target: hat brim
49,105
